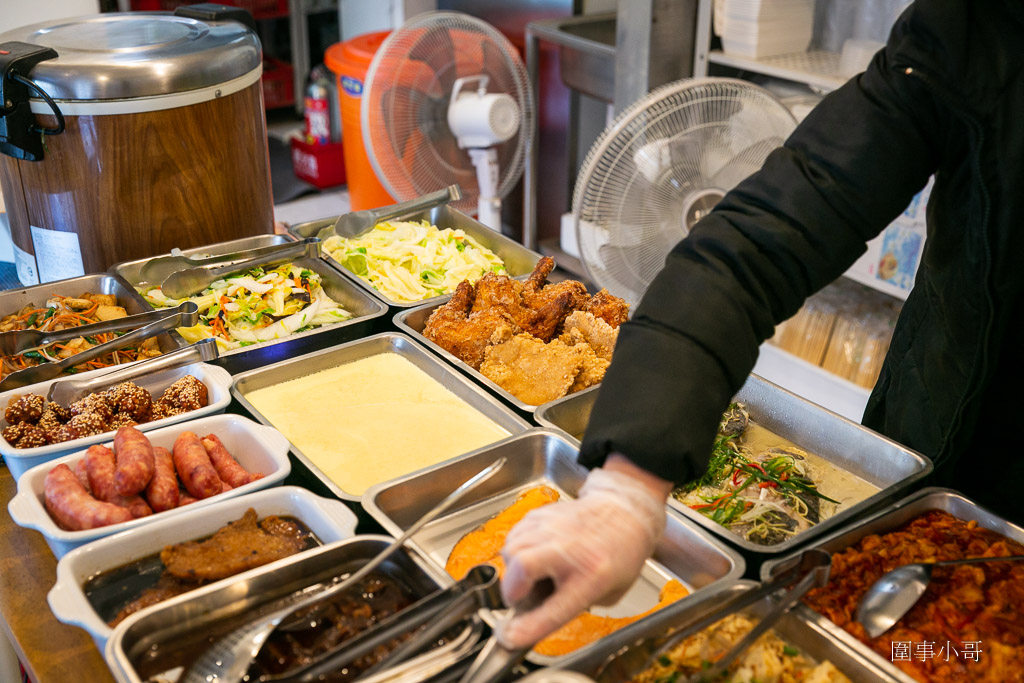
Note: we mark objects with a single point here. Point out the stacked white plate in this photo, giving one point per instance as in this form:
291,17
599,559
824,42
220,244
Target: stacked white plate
765,28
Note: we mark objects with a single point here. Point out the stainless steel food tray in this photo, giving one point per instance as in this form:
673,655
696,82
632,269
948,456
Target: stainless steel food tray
569,414
413,320
891,467
623,654
519,261
180,623
13,300
542,457
888,519
366,310
388,342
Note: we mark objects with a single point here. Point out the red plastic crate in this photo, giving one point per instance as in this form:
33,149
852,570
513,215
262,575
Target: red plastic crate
319,165
278,83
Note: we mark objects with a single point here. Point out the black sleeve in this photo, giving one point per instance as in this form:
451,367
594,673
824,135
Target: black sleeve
847,171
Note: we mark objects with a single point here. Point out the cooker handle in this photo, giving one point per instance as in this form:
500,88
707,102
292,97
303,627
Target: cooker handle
209,11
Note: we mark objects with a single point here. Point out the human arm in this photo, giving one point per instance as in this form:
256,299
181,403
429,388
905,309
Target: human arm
784,233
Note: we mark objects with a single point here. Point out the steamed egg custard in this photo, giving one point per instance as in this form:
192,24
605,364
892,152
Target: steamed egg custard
373,419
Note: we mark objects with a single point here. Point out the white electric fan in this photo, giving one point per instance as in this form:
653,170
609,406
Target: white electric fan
661,166
446,101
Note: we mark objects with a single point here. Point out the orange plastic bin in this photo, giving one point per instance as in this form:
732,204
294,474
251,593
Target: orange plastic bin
349,61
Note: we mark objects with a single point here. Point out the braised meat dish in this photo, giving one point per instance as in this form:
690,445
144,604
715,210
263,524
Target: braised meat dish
970,620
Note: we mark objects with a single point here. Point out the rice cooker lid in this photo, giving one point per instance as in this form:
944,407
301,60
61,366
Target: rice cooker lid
136,55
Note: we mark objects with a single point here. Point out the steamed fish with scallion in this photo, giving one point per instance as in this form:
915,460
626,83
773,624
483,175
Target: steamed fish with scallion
256,305
409,262
765,488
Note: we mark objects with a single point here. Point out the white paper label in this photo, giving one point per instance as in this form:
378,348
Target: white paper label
25,265
58,254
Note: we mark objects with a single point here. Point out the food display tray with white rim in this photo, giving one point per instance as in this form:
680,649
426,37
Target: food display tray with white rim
328,520
628,652
256,447
216,379
880,461
412,322
519,261
211,611
541,457
366,310
889,519
388,342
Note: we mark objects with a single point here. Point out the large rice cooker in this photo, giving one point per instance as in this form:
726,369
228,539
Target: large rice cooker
164,139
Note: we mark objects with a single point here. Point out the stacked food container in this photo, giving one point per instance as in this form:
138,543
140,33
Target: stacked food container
340,433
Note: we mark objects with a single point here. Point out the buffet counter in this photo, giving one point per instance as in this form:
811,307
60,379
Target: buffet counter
49,650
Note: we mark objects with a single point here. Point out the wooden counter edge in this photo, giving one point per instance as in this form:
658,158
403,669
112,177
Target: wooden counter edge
50,651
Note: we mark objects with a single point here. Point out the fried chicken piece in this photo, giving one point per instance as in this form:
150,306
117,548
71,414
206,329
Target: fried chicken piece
585,328
239,546
466,334
608,307
592,371
530,370
550,303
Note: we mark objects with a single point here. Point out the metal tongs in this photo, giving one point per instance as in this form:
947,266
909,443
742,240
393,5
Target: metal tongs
67,391
183,283
158,269
185,315
20,341
229,658
356,223
808,570
433,615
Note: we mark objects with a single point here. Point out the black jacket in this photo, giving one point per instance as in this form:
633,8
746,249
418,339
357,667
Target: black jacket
946,96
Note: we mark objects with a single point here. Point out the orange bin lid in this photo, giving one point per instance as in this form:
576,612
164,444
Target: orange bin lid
356,52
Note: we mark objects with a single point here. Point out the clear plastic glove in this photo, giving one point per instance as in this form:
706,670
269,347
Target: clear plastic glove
592,548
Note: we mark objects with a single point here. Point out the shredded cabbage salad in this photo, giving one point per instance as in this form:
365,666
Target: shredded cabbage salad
408,261
256,305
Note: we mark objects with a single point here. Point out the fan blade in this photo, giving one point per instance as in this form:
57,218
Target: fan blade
437,52
744,164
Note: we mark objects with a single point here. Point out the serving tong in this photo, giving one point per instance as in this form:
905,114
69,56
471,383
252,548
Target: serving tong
185,315
203,272
19,341
808,570
67,391
356,223
229,658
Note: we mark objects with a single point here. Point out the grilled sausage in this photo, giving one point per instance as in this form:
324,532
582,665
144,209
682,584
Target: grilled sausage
162,490
82,474
72,506
135,461
99,465
194,467
227,467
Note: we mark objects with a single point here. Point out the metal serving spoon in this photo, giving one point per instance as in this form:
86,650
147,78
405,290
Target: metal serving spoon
229,658
897,591
356,223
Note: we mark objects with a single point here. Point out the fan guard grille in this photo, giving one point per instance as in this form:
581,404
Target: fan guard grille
673,153
405,105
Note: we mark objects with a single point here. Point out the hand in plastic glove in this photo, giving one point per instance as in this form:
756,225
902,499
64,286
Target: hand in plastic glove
592,548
